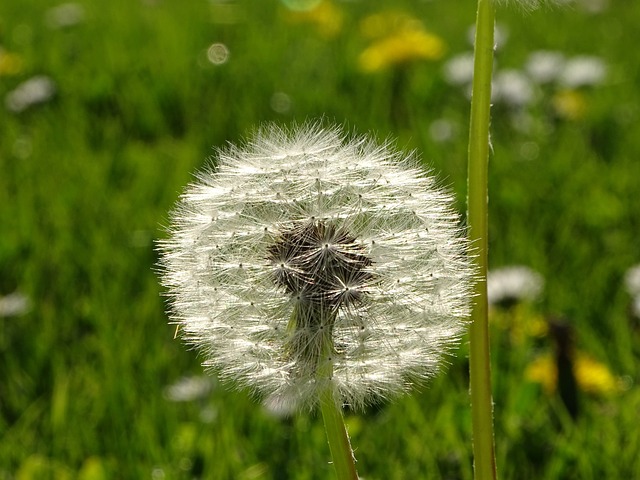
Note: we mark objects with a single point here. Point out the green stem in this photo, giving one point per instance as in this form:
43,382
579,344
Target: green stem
479,144
341,452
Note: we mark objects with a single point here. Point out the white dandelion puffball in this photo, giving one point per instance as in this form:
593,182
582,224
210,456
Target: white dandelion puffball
512,284
303,259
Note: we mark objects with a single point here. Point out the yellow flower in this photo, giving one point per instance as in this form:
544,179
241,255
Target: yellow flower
594,377
401,48
591,376
399,39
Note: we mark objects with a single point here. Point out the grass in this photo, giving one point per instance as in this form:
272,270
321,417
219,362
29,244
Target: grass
86,181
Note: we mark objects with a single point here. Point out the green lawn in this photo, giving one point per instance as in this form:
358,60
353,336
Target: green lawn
87,179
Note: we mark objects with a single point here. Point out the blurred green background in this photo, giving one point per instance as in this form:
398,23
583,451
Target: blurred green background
128,98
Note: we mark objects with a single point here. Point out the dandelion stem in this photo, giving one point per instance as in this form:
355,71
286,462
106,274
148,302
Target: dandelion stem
337,436
477,201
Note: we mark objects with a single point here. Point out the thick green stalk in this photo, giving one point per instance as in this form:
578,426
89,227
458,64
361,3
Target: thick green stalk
479,144
341,452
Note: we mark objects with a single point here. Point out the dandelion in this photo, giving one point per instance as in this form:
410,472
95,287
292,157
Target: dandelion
14,304
405,47
632,280
36,90
306,261
583,71
512,284
592,377
318,271
402,41
188,389
459,69
632,285
512,88
545,66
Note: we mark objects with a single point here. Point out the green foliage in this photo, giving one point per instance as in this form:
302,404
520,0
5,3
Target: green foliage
87,178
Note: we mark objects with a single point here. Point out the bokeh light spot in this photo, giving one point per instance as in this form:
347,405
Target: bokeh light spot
218,53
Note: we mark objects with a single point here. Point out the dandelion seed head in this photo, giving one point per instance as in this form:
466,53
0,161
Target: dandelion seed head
511,284
34,91
545,66
583,71
14,304
459,69
188,389
303,238
513,88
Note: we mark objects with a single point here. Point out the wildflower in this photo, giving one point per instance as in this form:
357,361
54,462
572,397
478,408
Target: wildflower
582,71
632,281
512,284
512,88
306,261
406,41
545,66
592,377
36,90
632,284
459,69
14,304
188,389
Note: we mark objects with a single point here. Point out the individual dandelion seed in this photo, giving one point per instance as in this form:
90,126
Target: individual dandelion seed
305,260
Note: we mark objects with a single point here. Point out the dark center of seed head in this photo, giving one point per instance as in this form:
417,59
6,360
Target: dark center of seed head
322,264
